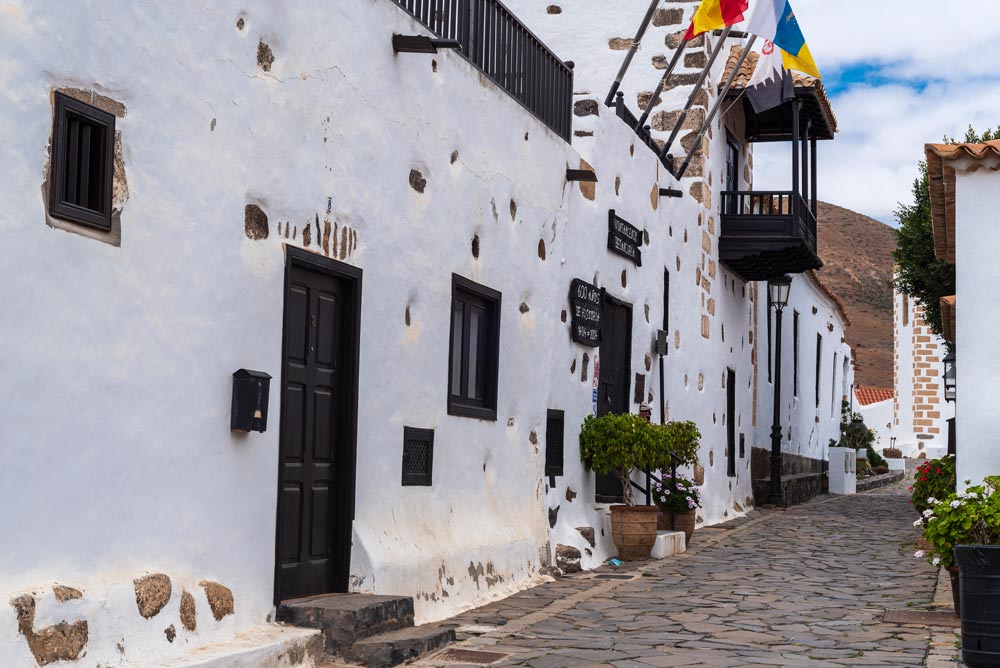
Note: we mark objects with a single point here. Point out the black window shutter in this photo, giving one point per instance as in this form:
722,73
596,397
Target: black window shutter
82,163
555,426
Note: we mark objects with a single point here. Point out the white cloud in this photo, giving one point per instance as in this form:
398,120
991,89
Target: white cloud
952,49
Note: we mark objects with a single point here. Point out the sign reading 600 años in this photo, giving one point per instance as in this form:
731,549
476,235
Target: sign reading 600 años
585,307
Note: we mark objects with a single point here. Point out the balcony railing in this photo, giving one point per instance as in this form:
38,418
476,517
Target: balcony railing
766,234
499,45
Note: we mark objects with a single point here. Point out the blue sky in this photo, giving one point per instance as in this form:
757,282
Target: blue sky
899,74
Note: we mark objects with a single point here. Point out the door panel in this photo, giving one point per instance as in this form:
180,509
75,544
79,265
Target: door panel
614,382
314,530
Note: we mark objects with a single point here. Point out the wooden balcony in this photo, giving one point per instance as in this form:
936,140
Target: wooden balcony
767,234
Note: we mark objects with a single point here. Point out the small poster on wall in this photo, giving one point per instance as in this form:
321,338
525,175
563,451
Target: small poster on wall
585,310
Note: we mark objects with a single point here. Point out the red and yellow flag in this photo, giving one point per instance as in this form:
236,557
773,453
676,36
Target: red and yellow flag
715,14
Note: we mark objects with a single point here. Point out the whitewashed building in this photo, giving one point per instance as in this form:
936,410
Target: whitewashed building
964,195
394,239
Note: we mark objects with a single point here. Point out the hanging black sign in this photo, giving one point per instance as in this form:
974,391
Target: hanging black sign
585,307
624,238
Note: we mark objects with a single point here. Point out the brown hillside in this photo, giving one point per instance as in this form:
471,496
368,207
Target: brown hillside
857,267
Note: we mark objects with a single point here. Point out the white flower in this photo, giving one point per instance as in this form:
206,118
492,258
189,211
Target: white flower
663,498
928,512
955,504
931,519
936,561
918,522
931,501
919,554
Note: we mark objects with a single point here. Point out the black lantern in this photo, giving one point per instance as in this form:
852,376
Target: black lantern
250,390
778,290
949,377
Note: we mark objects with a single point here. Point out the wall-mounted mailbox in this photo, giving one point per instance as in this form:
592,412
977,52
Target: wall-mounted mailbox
250,389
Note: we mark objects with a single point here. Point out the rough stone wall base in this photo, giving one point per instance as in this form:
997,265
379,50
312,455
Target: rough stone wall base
270,646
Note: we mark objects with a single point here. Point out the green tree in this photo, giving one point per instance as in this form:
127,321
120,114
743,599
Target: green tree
919,273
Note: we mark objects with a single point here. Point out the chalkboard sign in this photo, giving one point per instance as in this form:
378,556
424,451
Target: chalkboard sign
585,307
624,238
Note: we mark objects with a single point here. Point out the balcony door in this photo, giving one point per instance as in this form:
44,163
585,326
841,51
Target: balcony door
732,173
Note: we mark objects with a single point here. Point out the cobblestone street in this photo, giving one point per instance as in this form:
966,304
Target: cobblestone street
803,587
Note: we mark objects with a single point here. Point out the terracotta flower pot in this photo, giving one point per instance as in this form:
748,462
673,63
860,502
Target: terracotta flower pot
683,521
633,531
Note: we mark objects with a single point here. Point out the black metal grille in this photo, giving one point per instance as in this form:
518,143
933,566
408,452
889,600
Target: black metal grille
496,42
82,165
418,456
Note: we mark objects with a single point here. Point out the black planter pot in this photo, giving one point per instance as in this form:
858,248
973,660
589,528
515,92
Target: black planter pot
979,575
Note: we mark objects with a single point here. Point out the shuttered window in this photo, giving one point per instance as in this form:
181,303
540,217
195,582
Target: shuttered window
555,428
418,456
474,350
82,163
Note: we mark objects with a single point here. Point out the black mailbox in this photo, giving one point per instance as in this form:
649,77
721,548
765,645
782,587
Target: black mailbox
250,390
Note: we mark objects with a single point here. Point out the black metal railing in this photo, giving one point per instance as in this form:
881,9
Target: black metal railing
787,209
651,478
497,43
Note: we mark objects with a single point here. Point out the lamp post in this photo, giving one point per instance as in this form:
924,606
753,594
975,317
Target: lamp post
777,290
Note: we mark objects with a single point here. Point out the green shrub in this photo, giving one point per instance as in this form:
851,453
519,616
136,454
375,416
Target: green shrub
971,517
934,479
620,444
875,459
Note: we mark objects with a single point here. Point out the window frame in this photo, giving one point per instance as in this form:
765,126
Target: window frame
819,365
795,354
69,211
460,404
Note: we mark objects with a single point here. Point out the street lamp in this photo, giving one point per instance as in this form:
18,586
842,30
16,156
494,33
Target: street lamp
949,377
777,290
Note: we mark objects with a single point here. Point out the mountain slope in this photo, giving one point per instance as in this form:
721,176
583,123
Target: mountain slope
857,255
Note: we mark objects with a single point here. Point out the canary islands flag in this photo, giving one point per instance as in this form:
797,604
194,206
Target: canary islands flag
715,14
774,20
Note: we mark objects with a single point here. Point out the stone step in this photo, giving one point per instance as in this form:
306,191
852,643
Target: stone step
348,618
396,647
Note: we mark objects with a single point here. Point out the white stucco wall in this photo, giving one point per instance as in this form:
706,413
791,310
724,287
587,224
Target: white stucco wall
119,359
879,416
978,289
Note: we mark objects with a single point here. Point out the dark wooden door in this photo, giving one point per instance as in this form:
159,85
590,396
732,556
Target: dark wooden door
614,382
730,423
315,501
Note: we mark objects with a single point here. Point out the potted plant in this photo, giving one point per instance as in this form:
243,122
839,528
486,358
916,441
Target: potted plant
934,479
894,459
678,498
964,528
620,445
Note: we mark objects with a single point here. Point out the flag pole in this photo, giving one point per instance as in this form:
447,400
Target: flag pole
663,81
716,106
694,93
636,42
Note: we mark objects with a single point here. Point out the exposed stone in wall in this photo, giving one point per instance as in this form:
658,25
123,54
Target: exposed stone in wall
620,43
220,599
570,494
588,535
695,60
255,224
152,593
417,181
59,642
674,40
553,9
553,516
589,190
265,58
586,108
64,594
170,632
702,193
568,559
188,617
665,121
668,17
541,249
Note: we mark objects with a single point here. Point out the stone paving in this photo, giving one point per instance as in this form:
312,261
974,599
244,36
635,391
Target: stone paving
803,587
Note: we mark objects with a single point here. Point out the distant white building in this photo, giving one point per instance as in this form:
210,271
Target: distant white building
965,194
396,241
